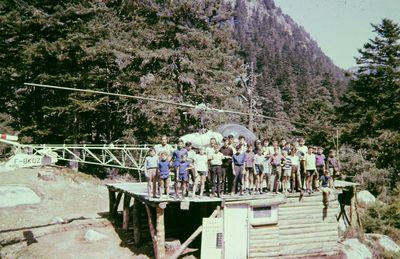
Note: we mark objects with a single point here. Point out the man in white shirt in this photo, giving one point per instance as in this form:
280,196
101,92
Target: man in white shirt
164,147
302,149
210,150
310,167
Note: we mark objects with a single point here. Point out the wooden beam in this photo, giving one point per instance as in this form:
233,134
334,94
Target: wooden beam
160,231
111,196
186,243
125,221
116,204
157,237
137,235
193,236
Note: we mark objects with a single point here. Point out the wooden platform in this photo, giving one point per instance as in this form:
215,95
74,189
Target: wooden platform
139,191
157,210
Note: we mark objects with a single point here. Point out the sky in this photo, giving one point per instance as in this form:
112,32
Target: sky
340,27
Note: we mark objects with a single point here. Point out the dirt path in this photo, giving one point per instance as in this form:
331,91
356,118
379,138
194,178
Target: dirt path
67,195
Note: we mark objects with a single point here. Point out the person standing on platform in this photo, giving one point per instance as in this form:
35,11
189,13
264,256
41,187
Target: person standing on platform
286,170
150,168
302,150
310,167
201,165
320,163
238,163
176,158
191,155
164,147
183,175
249,178
210,150
216,169
164,174
333,165
275,162
295,181
326,184
227,174
259,170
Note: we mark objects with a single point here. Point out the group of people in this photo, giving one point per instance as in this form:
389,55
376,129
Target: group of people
239,167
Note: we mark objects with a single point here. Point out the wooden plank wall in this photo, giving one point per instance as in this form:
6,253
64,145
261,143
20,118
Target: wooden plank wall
304,229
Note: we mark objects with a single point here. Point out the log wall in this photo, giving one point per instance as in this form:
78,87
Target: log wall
304,229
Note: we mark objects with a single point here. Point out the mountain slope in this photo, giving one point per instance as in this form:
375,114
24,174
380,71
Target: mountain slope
294,72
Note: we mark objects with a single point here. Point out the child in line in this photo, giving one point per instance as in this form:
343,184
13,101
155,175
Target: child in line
333,165
191,155
176,156
326,186
275,162
249,168
295,182
302,149
266,172
310,167
164,174
258,166
183,175
201,165
216,169
150,168
238,163
287,170
320,163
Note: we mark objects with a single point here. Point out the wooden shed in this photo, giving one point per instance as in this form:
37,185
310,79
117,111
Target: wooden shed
234,227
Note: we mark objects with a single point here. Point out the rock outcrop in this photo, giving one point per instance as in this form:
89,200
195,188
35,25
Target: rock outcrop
365,198
353,248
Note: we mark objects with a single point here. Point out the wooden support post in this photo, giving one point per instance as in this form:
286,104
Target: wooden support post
125,221
116,204
111,196
352,206
136,213
160,232
157,233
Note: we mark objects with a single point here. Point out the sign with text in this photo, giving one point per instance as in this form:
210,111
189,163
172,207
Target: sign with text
212,238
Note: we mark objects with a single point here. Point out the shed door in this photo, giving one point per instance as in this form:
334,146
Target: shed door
235,231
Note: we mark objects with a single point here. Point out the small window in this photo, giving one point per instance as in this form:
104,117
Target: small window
219,240
263,215
262,212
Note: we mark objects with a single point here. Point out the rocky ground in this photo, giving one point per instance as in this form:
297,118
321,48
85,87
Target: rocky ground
69,220
60,213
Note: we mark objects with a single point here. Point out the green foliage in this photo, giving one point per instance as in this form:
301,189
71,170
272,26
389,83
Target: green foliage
384,218
372,106
175,50
357,169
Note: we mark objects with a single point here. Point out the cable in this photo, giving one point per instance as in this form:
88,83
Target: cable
205,108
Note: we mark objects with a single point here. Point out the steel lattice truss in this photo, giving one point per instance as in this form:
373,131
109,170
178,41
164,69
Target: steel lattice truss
119,156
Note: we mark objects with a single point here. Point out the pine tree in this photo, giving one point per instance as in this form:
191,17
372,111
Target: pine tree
176,50
372,105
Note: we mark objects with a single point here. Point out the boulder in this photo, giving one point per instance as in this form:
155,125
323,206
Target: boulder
353,248
365,198
385,242
57,220
14,195
46,176
92,236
